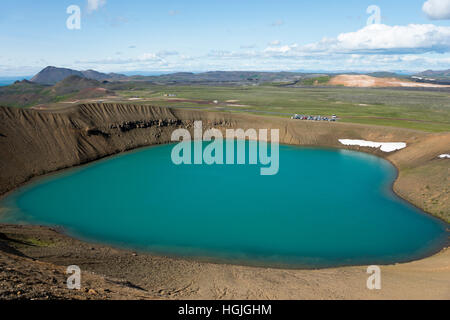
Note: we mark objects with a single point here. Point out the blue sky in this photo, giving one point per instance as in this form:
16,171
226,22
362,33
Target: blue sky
201,35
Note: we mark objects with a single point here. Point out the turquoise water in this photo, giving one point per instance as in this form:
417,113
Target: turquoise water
324,208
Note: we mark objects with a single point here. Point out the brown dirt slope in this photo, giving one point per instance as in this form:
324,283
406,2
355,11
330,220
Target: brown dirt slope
119,274
24,277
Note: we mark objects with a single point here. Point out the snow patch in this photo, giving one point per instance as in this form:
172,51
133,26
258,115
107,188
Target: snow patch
384,146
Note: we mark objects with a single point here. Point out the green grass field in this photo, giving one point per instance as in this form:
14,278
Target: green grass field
414,109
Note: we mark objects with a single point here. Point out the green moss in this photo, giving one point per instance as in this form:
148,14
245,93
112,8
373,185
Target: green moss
39,242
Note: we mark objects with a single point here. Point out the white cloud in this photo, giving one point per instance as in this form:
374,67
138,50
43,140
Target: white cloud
94,5
224,54
253,60
372,48
167,53
395,39
148,57
282,49
378,39
437,9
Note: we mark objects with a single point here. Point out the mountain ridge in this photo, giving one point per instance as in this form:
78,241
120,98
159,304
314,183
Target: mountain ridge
51,75
27,93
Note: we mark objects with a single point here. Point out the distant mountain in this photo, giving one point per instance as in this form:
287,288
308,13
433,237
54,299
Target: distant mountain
230,77
441,75
92,74
22,93
80,88
52,75
435,77
73,84
385,74
6,81
26,93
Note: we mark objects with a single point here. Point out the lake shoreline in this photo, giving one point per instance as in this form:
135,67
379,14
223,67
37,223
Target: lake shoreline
159,134
112,272
244,259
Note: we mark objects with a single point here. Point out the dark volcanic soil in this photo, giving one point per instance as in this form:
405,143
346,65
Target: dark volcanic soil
33,263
